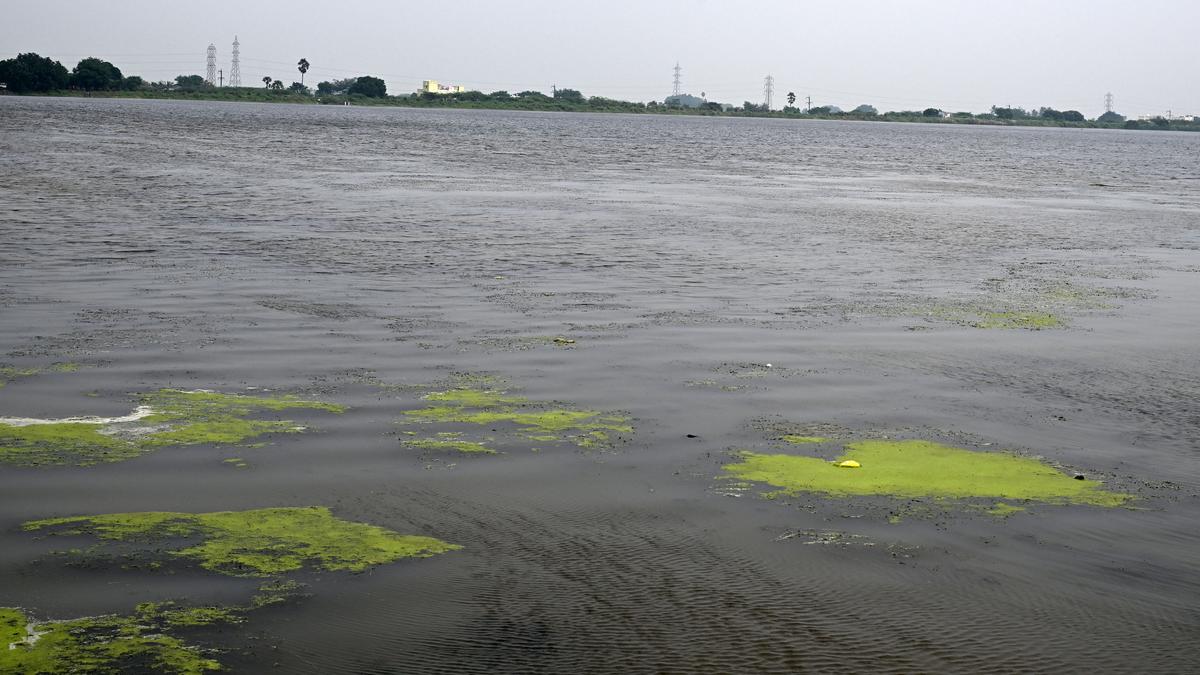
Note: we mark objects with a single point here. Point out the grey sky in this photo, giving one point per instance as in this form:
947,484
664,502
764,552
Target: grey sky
896,55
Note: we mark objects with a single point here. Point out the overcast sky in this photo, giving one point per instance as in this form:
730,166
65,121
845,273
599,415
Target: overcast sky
954,54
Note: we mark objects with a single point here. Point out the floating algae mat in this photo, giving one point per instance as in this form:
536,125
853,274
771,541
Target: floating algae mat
914,469
168,417
113,643
260,542
10,373
104,644
532,420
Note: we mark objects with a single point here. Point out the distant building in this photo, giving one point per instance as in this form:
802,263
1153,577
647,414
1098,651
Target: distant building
435,87
684,101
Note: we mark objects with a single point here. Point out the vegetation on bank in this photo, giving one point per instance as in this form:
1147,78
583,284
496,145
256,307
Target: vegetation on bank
34,74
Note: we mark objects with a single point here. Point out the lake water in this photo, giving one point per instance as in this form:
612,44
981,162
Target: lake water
1032,290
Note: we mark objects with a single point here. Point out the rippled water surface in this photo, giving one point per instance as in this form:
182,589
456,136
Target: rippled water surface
363,256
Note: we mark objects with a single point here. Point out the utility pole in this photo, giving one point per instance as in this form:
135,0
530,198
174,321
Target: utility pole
210,73
807,104
768,91
221,76
678,79
1108,102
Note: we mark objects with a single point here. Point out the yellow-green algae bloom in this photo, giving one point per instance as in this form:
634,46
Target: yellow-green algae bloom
168,417
922,469
261,542
469,447
103,644
10,373
533,419
1012,320
803,440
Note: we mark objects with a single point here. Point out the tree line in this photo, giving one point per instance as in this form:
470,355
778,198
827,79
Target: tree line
32,73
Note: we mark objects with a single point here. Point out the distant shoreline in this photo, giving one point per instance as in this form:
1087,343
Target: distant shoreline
255,95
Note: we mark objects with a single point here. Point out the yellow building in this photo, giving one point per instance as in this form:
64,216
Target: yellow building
434,87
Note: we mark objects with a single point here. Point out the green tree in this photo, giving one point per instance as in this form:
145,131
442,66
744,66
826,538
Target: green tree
302,66
1073,116
1009,113
791,98
371,87
277,85
865,109
325,88
191,82
1111,117
133,83
92,74
298,87
500,95
31,72
931,112
570,95
267,81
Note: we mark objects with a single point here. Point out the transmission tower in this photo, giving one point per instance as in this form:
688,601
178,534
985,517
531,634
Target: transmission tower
1108,102
678,79
235,69
768,91
210,75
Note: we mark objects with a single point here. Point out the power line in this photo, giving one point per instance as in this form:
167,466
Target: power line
678,70
768,91
1108,102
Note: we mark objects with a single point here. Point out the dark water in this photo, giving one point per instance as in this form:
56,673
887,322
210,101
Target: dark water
322,250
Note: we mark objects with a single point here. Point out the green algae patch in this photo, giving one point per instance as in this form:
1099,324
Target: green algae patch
1018,320
61,443
803,440
168,417
532,420
104,644
916,469
1003,510
469,447
172,615
10,373
262,542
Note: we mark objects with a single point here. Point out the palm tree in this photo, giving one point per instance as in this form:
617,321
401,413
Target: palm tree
302,66
791,98
267,81
277,85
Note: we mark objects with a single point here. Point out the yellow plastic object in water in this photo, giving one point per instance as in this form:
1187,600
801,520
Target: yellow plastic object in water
848,464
